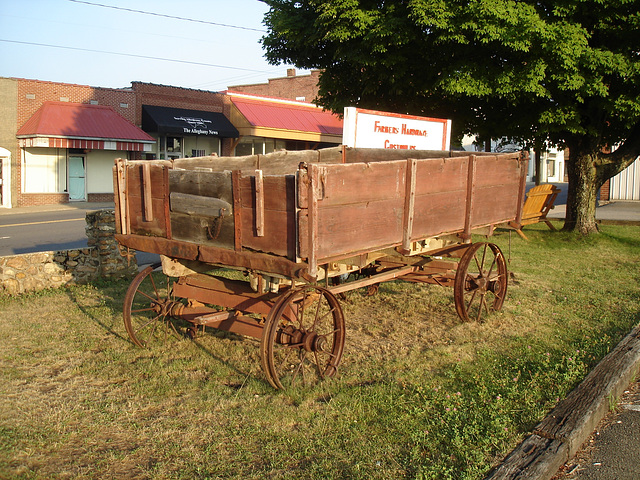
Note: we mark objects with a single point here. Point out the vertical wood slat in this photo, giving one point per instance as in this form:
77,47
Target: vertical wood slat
167,205
259,191
146,189
237,209
409,203
314,188
120,182
469,202
522,163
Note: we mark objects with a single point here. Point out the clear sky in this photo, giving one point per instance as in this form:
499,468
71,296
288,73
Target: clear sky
201,44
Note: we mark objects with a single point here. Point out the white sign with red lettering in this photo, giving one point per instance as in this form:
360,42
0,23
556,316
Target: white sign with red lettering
374,129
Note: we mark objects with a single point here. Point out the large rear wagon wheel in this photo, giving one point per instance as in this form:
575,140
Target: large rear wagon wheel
148,309
303,338
480,285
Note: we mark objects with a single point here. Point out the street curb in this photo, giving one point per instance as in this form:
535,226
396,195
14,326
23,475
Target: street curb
567,427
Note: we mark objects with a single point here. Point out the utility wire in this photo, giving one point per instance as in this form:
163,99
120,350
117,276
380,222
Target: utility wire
133,55
169,16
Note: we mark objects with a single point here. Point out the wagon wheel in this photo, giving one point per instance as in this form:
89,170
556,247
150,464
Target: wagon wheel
481,281
148,310
303,337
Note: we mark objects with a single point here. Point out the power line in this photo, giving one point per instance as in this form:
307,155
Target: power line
169,16
134,56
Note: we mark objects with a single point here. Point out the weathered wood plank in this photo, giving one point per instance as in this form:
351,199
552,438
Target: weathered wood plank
206,184
494,204
155,199
237,210
279,235
409,203
357,155
537,458
497,170
437,213
441,175
279,192
259,205
217,164
146,192
358,227
204,230
285,162
361,182
199,205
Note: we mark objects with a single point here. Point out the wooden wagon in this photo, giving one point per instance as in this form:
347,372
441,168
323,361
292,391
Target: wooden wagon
301,227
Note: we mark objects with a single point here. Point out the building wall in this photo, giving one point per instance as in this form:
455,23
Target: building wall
31,94
293,87
178,97
8,129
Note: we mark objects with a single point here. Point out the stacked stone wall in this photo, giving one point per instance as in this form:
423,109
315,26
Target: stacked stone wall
102,258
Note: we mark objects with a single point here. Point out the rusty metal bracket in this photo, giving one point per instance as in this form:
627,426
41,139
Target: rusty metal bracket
214,232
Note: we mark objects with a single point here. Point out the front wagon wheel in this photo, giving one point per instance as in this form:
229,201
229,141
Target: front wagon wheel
303,338
148,309
480,285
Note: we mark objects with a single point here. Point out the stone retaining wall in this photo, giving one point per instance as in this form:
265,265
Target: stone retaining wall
102,258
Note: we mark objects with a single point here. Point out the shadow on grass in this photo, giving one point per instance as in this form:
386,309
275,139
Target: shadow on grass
112,295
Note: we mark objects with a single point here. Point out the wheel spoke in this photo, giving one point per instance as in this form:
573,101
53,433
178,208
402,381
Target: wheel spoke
153,299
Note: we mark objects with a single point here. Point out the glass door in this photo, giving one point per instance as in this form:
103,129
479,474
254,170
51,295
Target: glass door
77,178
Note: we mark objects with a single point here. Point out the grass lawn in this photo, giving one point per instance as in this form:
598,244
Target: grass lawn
419,394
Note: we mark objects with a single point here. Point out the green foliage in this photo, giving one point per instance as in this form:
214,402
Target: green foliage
458,58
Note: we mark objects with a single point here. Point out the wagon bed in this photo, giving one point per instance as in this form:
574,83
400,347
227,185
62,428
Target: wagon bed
294,219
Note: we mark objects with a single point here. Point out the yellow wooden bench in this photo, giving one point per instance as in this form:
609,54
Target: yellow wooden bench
539,201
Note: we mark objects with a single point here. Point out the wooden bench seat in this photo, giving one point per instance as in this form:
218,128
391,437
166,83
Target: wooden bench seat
540,200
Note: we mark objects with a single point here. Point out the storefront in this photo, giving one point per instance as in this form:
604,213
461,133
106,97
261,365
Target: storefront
267,124
67,151
183,133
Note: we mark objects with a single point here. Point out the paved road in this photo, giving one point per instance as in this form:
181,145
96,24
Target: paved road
53,227
38,231
613,451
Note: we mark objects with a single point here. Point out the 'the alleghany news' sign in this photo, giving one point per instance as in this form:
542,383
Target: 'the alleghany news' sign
373,129
196,125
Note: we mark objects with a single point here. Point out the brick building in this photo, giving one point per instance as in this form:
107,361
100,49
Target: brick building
58,141
62,140
303,88
184,122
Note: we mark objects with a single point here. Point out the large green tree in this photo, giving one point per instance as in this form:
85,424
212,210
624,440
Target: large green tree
563,72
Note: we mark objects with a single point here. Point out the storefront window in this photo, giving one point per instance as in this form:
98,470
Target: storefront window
174,144
258,146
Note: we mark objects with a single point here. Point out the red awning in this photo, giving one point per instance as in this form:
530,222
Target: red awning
76,125
286,114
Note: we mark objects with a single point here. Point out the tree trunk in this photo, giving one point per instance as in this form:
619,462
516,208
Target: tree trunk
582,194
537,151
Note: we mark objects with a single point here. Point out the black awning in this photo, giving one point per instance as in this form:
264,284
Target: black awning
180,121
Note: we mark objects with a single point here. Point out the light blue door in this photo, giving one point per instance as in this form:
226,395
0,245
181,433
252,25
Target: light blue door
77,178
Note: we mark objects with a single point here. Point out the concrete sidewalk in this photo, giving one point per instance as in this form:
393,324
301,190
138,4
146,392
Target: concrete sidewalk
623,212
80,206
